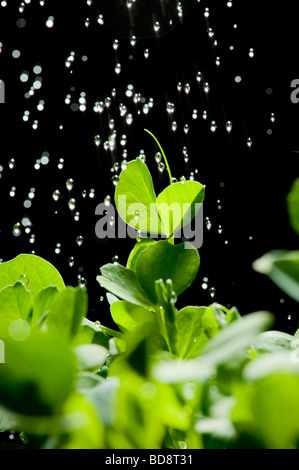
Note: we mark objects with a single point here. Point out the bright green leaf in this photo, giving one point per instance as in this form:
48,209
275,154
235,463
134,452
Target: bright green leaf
135,192
123,283
35,272
127,315
42,302
179,203
164,261
138,248
67,311
192,335
15,303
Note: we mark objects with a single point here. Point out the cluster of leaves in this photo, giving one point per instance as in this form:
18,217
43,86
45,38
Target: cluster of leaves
198,377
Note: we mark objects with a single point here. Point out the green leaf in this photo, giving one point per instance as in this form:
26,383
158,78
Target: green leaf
282,267
35,272
230,341
138,248
135,192
164,261
42,302
138,206
90,357
293,205
15,303
177,204
127,315
193,326
67,311
89,333
122,282
37,375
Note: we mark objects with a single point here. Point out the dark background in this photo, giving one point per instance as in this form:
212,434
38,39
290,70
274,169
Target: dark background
250,183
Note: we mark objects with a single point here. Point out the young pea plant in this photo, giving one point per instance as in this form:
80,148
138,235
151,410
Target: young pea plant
157,271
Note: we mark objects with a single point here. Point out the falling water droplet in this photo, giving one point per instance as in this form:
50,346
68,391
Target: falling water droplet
71,261
208,223
69,184
57,248
72,204
158,157
228,126
115,180
79,240
82,282
213,126
161,167
212,292
249,142
17,229
115,259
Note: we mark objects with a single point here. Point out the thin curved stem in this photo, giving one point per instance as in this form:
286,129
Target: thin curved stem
164,156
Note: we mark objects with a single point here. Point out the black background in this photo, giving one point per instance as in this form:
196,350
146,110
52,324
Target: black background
250,183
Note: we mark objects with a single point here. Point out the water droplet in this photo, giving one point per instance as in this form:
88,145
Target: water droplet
57,248
249,142
129,119
158,157
212,292
97,140
115,180
251,52
272,117
100,20
186,128
115,44
117,68
220,229
11,163
82,282
208,223
146,53
204,286
228,126
69,184
24,279
213,126
157,26
107,200
17,229
161,167
170,107
115,259
77,216
72,204
79,240
174,126
71,261
206,87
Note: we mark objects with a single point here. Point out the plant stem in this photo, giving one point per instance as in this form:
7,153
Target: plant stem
164,156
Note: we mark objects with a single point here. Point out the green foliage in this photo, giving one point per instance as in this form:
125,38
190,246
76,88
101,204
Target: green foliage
195,377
